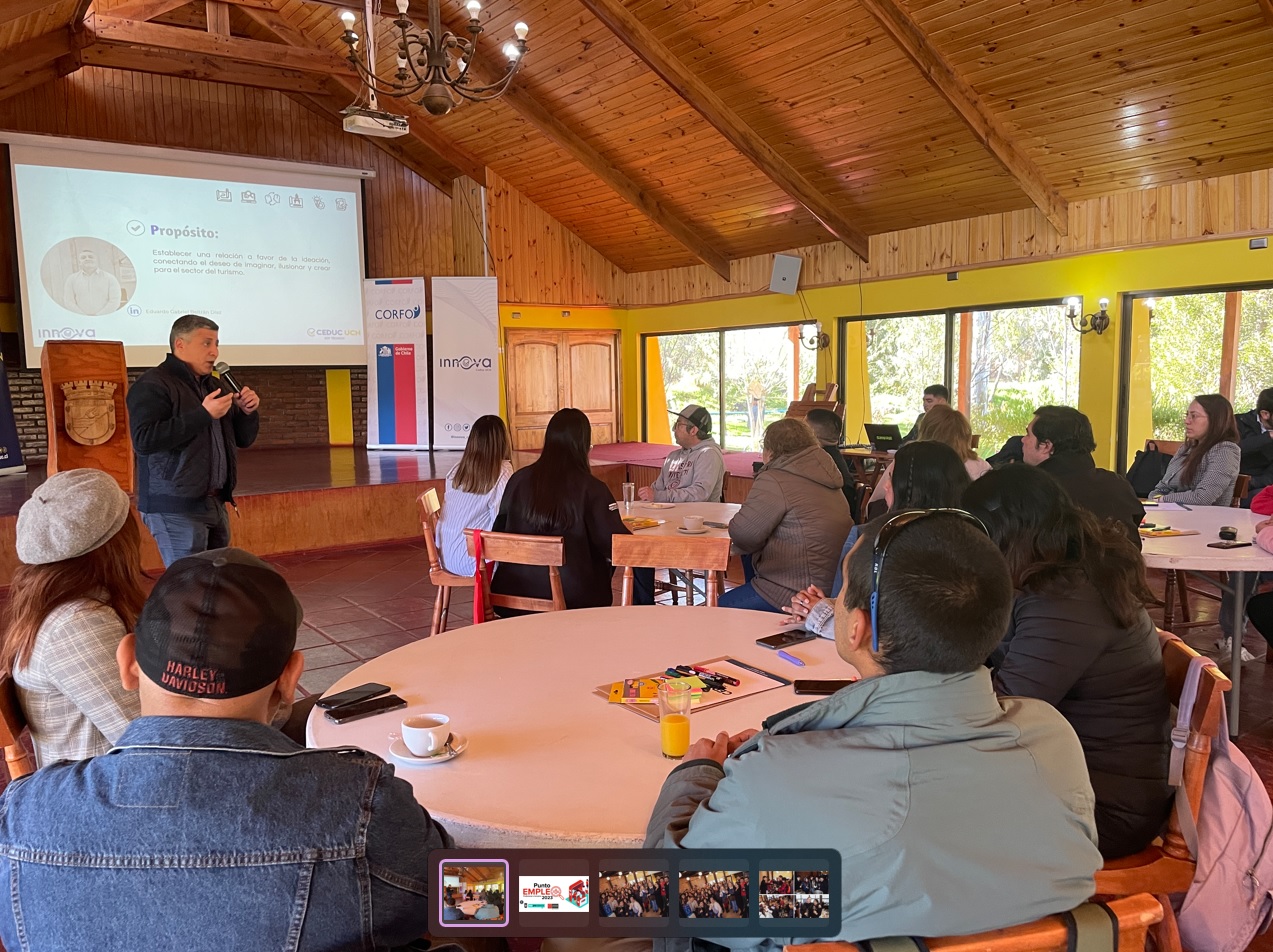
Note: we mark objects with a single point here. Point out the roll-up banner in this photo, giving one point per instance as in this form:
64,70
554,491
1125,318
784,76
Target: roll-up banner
465,357
397,364
10,452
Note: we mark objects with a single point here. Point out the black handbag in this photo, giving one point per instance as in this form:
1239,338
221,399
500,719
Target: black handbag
1148,469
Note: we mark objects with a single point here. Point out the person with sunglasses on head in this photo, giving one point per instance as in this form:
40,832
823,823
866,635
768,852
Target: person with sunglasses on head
1080,639
954,810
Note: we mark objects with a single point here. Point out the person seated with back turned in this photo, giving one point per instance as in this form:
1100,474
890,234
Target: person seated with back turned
695,472
557,495
474,489
942,424
935,395
829,428
1060,442
1255,440
954,810
1205,468
205,829
1080,639
792,522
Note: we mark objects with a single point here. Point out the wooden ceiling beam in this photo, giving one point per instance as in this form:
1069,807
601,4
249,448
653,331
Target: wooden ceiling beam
446,157
206,68
711,107
138,9
15,9
218,15
961,97
37,61
1266,7
196,43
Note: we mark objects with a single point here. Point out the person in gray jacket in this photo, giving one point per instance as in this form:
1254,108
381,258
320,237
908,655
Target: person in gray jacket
954,811
793,522
1205,468
695,471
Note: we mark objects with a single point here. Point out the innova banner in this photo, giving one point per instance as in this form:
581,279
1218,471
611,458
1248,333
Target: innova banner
465,357
10,453
397,364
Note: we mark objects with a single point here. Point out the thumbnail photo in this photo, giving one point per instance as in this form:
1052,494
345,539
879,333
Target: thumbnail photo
540,893
714,894
794,894
626,894
473,893
88,275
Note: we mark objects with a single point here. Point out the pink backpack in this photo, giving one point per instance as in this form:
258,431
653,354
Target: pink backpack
1231,898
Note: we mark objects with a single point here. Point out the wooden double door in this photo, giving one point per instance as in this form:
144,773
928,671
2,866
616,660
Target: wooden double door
546,370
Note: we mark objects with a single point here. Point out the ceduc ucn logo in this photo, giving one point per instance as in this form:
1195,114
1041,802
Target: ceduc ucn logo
466,363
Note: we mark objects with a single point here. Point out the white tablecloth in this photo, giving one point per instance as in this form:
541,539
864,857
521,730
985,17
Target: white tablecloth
550,764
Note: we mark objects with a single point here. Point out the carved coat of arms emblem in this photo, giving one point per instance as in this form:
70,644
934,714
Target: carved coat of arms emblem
90,411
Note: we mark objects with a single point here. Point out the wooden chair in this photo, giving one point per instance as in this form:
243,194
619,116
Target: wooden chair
443,580
1178,580
522,550
709,555
1134,914
12,724
1168,867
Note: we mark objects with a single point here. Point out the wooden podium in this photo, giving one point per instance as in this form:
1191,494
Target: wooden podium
799,409
85,385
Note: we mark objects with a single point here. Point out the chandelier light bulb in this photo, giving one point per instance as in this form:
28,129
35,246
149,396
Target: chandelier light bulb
474,8
402,6
521,29
402,62
1072,305
1150,303
511,51
347,18
1104,303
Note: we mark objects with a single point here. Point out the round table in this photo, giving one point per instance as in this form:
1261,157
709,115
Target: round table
1191,553
551,764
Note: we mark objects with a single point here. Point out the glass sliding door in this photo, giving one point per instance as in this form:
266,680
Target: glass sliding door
1185,341
691,372
903,356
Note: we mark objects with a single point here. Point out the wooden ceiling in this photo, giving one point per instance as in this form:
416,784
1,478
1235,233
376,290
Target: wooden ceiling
672,132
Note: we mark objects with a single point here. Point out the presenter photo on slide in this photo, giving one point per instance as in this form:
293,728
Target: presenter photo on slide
88,276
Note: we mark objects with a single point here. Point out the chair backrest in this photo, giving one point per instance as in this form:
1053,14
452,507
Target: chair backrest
1240,489
548,551
1204,726
976,441
702,554
1134,915
1164,446
430,507
12,724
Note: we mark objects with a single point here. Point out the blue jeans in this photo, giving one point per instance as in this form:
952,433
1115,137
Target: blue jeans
745,596
179,534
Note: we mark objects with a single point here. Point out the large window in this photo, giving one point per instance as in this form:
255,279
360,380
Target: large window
903,356
744,377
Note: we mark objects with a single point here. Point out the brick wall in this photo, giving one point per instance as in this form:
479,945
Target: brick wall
293,406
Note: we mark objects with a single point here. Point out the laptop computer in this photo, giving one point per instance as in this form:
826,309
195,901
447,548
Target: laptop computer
883,436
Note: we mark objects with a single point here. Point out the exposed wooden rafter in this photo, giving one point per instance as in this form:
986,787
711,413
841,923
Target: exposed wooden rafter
693,90
905,32
1266,6
37,61
13,9
138,9
210,69
218,14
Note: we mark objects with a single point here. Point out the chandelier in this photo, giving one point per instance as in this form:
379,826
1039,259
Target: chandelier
434,66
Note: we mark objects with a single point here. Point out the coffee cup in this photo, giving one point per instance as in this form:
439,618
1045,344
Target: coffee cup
425,734
692,523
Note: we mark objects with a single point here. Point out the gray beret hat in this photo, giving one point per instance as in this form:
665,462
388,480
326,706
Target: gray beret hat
69,515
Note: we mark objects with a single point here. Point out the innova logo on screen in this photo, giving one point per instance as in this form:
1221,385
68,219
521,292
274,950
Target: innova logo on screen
467,363
65,333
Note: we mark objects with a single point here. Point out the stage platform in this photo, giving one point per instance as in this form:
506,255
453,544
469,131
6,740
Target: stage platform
307,499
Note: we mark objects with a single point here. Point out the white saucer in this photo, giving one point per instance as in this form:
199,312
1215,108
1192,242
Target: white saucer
655,505
399,752
691,531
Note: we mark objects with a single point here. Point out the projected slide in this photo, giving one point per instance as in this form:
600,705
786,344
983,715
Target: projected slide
119,255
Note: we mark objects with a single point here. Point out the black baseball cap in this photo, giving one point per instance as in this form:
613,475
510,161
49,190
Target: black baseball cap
220,624
696,416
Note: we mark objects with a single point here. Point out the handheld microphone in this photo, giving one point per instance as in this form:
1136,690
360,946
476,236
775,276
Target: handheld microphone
228,382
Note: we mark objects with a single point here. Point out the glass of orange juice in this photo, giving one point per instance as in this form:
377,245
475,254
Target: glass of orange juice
674,718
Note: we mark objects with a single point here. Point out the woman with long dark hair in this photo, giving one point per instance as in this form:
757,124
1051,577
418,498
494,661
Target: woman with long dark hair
1081,640
1205,468
474,489
76,594
558,495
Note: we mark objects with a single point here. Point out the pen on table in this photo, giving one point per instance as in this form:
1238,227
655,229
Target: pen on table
1184,507
712,674
790,657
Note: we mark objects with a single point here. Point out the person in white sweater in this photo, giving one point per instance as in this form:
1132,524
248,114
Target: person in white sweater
474,489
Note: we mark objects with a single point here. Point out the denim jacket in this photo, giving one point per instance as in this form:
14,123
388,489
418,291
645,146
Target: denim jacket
208,834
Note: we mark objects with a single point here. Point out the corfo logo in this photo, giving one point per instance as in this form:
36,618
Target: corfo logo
66,333
466,363
397,313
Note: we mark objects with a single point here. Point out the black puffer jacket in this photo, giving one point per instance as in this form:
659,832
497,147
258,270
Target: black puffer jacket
1108,683
1104,494
172,438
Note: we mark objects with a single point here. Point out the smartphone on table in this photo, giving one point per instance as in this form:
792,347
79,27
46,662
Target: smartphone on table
1227,544
785,639
363,692
377,705
801,686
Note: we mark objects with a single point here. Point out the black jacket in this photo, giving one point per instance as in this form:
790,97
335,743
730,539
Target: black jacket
172,438
585,569
1257,452
1108,683
850,481
1104,494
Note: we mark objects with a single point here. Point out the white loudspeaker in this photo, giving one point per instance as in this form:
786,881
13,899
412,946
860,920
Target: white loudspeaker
786,274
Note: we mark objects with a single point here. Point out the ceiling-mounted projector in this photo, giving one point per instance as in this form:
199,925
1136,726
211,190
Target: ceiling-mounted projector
368,122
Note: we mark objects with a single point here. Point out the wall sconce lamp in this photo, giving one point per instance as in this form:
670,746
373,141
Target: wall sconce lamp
812,337
1086,323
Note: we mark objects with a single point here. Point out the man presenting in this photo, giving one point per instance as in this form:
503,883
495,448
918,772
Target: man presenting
206,829
90,290
933,395
954,811
185,433
696,471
